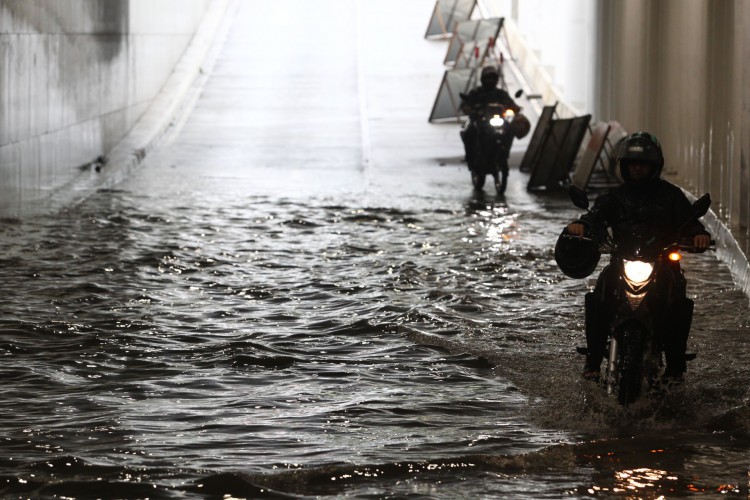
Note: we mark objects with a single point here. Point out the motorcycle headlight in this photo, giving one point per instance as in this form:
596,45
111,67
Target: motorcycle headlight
638,271
509,113
497,121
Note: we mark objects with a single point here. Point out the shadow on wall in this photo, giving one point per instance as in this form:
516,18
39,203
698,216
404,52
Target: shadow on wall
108,19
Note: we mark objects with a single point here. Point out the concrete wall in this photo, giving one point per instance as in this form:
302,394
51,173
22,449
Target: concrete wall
555,43
680,68
677,68
75,75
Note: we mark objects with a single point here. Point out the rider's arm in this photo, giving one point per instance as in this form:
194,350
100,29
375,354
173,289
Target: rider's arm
595,222
508,101
694,230
468,102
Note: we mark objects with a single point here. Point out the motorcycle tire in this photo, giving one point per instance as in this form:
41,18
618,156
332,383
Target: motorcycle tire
630,365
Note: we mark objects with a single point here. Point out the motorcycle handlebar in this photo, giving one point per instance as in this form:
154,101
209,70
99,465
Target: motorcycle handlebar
685,247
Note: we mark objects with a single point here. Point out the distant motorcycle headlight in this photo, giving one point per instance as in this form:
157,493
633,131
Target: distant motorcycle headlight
638,271
497,121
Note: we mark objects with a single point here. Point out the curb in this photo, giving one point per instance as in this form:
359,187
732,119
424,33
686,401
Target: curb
729,252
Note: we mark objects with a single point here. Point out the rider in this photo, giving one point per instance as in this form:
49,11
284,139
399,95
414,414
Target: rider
480,96
643,199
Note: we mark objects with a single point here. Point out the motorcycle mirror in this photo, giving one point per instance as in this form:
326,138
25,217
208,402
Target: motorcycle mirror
578,197
700,207
518,93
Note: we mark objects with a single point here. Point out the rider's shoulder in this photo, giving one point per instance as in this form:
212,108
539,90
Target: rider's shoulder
668,188
607,198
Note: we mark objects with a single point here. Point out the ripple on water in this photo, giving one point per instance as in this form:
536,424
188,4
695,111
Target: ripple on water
390,349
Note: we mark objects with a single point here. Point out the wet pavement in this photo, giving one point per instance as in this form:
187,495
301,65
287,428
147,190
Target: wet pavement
333,102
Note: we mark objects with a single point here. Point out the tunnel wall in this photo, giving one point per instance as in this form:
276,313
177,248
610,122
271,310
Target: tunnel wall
681,69
677,68
75,75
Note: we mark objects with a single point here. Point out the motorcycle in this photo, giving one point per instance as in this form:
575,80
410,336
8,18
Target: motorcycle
644,266
495,125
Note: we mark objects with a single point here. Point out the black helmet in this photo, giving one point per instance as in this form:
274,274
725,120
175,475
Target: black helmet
489,75
640,147
576,257
489,71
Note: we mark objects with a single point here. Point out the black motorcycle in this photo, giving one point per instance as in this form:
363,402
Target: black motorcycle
494,127
645,267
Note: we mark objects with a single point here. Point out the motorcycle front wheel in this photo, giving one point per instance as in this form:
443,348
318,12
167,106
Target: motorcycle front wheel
630,364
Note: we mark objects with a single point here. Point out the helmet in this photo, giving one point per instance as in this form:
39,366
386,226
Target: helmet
640,147
489,71
576,257
489,76
520,126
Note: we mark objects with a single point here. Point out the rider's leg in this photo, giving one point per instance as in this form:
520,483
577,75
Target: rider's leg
598,313
501,180
677,321
596,332
469,138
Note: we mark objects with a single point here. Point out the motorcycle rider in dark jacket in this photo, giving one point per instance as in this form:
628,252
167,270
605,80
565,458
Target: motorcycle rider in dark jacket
487,92
647,201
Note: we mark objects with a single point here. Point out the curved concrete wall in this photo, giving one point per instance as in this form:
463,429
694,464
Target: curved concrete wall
75,75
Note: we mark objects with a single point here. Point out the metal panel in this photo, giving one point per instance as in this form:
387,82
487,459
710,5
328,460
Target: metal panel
591,155
446,15
448,100
485,31
537,138
558,152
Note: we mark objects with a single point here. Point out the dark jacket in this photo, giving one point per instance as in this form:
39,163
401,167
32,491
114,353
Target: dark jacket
656,204
480,97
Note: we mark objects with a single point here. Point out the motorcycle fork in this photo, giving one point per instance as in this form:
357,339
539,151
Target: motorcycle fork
612,365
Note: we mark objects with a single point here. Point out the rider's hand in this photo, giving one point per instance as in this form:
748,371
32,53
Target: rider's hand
701,241
576,229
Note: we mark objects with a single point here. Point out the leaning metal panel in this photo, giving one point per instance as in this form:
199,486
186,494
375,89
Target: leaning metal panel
592,156
466,32
537,139
544,168
448,101
559,152
447,14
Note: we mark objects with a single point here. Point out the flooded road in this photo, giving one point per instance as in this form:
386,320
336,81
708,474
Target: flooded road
314,303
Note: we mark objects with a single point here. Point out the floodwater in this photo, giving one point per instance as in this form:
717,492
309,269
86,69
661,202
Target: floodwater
223,325
424,349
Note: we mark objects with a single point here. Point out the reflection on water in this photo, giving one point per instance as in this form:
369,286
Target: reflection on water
310,348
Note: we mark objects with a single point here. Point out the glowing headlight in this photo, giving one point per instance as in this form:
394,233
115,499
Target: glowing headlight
496,121
509,113
637,271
